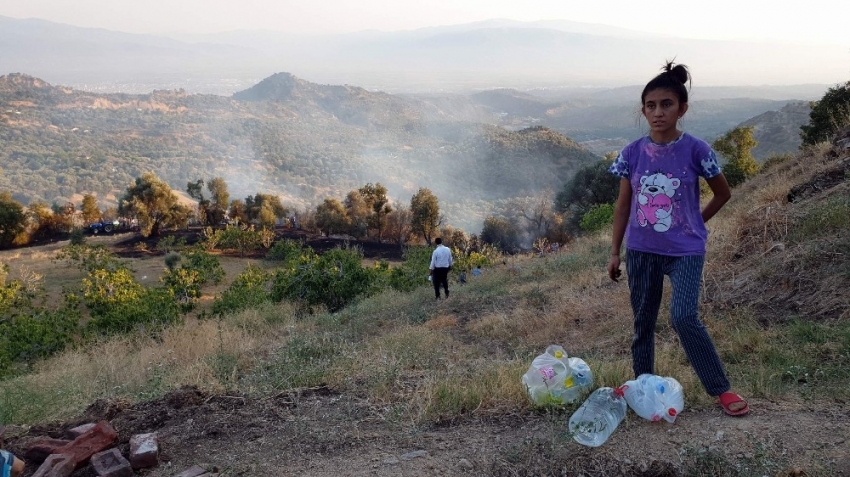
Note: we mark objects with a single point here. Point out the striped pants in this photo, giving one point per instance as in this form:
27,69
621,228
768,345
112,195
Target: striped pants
646,283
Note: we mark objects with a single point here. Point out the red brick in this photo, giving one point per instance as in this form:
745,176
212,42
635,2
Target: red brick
144,451
79,430
56,465
98,438
195,471
110,463
43,447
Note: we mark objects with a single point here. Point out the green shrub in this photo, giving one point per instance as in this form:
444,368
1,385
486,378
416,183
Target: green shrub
36,333
333,279
828,115
248,290
208,266
118,303
285,251
78,236
598,217
90,257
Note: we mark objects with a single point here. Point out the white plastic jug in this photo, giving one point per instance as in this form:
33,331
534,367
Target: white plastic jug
655,397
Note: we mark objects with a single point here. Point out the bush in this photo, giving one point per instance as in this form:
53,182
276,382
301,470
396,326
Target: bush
828,116
285,251
598,217
334,279
248,290
118,303
78,236
90,257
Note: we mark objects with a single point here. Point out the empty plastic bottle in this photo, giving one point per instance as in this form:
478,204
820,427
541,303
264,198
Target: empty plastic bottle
556,379
598,416
654,397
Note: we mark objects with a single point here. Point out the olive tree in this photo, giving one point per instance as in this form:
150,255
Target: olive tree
154,204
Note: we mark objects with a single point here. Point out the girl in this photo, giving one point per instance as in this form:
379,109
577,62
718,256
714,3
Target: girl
658,210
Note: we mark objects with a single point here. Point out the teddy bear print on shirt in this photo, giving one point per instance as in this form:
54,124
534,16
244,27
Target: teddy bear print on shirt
655,201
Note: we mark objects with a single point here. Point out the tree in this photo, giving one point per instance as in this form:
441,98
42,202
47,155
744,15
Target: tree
737,146
501,232
358,212
376,198
219,198
265,209
196,191
89,209
591,185
13,220
425,210
154,204
331,217
238,211
538,213
828,115
399,225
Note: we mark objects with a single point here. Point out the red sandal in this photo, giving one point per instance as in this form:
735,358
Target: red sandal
733,404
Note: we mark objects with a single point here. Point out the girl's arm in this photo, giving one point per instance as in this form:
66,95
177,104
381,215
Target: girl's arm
722,194
621,219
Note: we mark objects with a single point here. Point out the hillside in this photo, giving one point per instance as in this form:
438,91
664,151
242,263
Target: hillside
778,132
285,136
398,384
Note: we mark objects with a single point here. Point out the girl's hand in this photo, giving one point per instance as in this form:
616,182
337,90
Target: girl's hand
614,271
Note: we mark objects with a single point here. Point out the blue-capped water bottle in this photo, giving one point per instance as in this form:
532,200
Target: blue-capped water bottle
598,416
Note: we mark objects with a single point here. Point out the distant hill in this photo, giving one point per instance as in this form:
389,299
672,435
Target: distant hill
457,58
286,136
778,132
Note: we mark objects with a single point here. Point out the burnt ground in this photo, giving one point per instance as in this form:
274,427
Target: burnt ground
318,432
136,246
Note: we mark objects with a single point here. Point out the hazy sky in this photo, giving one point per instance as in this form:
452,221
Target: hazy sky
811,21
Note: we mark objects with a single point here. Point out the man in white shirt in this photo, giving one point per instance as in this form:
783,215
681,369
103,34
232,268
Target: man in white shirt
441,263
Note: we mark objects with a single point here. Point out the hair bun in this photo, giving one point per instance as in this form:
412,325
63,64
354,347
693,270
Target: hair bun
678,72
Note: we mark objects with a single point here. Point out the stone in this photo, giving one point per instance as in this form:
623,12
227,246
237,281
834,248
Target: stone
40,449
79,430
56,465
100,437
110,463
414,455
194,471
465,464
144,451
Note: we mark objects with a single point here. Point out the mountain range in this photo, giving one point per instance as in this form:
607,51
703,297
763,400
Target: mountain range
457,58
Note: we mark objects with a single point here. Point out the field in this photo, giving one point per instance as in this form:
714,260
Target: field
400,384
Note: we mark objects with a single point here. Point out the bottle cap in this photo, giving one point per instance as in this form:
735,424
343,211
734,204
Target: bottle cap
672,412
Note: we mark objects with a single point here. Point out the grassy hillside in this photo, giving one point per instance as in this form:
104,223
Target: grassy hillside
774,300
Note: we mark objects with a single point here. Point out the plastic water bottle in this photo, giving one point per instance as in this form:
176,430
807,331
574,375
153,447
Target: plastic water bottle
654,397
598,416
554,378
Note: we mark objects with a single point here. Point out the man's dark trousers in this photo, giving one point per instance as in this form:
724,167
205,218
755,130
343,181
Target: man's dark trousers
441,276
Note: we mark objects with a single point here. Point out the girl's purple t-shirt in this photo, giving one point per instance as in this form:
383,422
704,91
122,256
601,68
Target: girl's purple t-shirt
665,215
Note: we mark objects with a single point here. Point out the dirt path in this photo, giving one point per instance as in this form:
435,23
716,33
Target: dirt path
320,433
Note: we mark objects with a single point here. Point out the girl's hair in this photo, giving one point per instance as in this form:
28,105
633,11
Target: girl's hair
672,78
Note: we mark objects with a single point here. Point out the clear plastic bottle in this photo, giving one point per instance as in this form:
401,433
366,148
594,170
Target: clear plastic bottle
654,397
598,416
554,378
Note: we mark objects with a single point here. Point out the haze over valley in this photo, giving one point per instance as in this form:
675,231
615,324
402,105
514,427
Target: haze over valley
480,113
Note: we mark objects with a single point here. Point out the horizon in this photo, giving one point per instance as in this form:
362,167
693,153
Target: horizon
707,21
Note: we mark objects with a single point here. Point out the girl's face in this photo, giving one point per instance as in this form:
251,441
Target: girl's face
662,110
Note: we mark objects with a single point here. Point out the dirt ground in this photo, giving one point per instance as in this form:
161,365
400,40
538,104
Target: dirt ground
316,432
